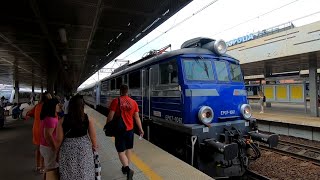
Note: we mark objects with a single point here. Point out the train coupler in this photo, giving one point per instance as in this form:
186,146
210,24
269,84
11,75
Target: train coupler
272,139
230,151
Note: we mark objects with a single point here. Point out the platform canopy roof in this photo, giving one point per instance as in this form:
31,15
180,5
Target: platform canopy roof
72,39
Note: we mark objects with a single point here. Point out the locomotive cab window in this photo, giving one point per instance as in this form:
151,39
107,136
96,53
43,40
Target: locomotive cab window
198,69
169,72
222,71
235,72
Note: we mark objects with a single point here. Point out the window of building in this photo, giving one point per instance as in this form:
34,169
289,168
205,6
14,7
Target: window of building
168,72
198,69
235,72
222,71
134,80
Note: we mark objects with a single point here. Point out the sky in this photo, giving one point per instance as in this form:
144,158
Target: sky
217,19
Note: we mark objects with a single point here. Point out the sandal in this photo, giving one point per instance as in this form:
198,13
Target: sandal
41,171
36,169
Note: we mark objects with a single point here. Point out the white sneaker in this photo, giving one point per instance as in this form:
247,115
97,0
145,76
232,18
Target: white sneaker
261,112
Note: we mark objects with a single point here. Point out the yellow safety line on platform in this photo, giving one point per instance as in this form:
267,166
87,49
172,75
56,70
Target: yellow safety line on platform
138,162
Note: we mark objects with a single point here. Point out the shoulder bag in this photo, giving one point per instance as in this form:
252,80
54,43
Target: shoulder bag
116,125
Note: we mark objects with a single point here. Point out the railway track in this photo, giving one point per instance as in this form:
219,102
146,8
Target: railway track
297,151
252,175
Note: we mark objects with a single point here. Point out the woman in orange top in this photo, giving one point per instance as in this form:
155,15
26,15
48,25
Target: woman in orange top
35,112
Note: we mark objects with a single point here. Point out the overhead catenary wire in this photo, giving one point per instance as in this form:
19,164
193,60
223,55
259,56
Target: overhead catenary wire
200,10
251,19
232,27
174,26
308,15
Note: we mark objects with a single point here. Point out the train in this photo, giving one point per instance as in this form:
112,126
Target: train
24,95
193,103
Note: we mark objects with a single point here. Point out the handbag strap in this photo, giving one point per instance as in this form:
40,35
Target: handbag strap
66,133
119,105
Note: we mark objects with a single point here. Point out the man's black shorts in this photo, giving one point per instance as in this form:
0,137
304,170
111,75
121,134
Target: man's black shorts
124,141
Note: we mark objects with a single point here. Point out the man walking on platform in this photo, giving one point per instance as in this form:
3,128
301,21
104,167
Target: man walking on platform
128,109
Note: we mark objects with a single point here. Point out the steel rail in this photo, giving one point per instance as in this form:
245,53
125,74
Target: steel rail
307,147
255,176
301,157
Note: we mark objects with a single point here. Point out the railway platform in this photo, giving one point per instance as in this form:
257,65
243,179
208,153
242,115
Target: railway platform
148,161
287,119
17,151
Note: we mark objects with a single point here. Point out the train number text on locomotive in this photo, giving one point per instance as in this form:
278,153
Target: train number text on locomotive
227,112
173,118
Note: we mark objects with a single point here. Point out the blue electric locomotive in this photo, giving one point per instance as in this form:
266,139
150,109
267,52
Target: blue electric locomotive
193,103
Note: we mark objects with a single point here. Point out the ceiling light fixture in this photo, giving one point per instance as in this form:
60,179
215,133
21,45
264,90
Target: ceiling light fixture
63,35
64,57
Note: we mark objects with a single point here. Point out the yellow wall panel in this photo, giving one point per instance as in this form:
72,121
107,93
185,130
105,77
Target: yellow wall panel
281,92
296,92
268,92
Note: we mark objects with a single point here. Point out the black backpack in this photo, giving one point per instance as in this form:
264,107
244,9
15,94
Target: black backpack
116,126
264,98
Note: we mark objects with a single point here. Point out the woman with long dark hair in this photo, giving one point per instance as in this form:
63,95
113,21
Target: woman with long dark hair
48,134
77,136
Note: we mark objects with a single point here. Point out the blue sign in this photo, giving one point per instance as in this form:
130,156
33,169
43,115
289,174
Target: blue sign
241,40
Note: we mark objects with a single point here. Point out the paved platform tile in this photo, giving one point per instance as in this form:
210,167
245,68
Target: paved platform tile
153,162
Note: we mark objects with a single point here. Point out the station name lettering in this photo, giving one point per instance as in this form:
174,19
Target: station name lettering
241,40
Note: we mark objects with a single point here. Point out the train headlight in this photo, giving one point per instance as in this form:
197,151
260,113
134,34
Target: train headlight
205,114
220,46
246,111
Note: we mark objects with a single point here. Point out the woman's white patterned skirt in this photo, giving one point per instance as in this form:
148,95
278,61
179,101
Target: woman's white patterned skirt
76,159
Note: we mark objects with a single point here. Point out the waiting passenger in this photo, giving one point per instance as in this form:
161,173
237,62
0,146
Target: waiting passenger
128,109
36,133
48,131
2,110
16,111
3,102
261,101
66,104
77,136
31,99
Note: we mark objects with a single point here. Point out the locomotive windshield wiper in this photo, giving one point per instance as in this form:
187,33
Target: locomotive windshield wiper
205,68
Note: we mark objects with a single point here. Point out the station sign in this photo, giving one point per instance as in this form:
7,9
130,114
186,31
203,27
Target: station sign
259,34
241,40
